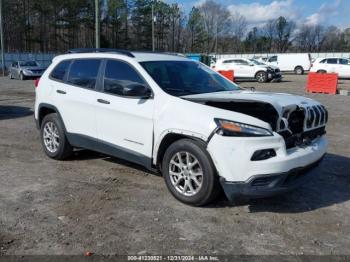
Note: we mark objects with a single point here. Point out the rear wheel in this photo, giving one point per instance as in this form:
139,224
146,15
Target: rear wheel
299,70
322,71
189,172
261,77
53,138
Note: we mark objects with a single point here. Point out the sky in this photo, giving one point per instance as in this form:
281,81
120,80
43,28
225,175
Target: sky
325,12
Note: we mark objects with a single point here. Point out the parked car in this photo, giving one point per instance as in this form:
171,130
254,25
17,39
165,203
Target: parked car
25,69
275,68
297,63
341,66
246,69
181,118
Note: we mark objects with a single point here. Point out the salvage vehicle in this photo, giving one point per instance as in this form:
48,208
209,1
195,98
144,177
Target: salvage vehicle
25,69
246,69
170,114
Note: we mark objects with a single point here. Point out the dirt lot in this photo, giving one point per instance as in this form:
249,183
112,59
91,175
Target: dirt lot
108,206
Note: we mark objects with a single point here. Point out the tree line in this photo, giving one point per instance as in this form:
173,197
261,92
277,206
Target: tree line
56,26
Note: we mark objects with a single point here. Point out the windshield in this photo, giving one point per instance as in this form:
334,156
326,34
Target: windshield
256,62
28,63
179,78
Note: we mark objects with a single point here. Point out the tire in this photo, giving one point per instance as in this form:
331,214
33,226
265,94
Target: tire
261,77
53,138
299,70
21,76
205,187
322,71
10,76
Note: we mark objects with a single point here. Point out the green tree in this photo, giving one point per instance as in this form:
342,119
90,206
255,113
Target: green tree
195,27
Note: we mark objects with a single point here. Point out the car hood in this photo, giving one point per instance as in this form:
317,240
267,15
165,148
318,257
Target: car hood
279,101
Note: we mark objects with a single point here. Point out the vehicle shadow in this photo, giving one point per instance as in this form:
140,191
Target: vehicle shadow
329,185
10,112
84,154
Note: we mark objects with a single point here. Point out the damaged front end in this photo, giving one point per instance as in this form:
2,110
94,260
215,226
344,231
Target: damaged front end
299,123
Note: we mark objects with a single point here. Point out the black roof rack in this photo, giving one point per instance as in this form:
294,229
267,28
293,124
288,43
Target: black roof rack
100,50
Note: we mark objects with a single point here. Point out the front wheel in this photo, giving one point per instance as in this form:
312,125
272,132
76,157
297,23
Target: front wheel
261,77
189,173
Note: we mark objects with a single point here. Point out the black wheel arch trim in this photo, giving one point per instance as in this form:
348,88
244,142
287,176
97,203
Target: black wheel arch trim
52,107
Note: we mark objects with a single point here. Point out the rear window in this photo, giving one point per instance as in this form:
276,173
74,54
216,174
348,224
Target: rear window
84,72
60,70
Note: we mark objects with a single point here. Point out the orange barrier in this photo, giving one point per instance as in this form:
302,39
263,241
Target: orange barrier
229,74
322,83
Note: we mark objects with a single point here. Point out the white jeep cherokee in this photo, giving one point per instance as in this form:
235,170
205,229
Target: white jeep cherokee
172,114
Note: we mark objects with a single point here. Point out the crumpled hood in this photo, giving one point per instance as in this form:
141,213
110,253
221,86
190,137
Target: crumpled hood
279,101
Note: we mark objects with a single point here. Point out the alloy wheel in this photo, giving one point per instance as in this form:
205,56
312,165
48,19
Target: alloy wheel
51,137
261,77
186,173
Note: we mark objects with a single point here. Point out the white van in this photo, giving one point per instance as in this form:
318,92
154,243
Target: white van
299,63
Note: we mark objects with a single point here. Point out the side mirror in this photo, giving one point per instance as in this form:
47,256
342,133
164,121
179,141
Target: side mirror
137,91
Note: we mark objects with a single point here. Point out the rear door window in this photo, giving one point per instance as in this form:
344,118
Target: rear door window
119,75
60,70
83,72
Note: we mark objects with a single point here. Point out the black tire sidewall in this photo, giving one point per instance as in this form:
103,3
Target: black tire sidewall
207,192
61,150
297,69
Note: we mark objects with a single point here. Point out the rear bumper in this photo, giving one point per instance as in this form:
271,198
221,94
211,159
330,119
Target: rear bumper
260,186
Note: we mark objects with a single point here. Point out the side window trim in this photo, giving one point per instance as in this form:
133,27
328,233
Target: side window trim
102,80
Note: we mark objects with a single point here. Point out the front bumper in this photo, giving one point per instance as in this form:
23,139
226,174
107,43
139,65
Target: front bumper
268,185
232,157
274,77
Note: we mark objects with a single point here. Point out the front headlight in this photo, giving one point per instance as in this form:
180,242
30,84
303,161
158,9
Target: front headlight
232,128
28,72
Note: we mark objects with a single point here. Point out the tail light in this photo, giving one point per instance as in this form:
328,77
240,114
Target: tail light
36,82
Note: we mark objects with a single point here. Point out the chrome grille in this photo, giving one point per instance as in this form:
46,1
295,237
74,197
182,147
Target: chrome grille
316,116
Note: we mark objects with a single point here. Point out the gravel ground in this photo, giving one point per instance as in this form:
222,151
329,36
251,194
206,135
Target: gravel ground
107,206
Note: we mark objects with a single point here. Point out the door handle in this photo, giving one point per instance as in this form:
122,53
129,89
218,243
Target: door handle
61,92
103,101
